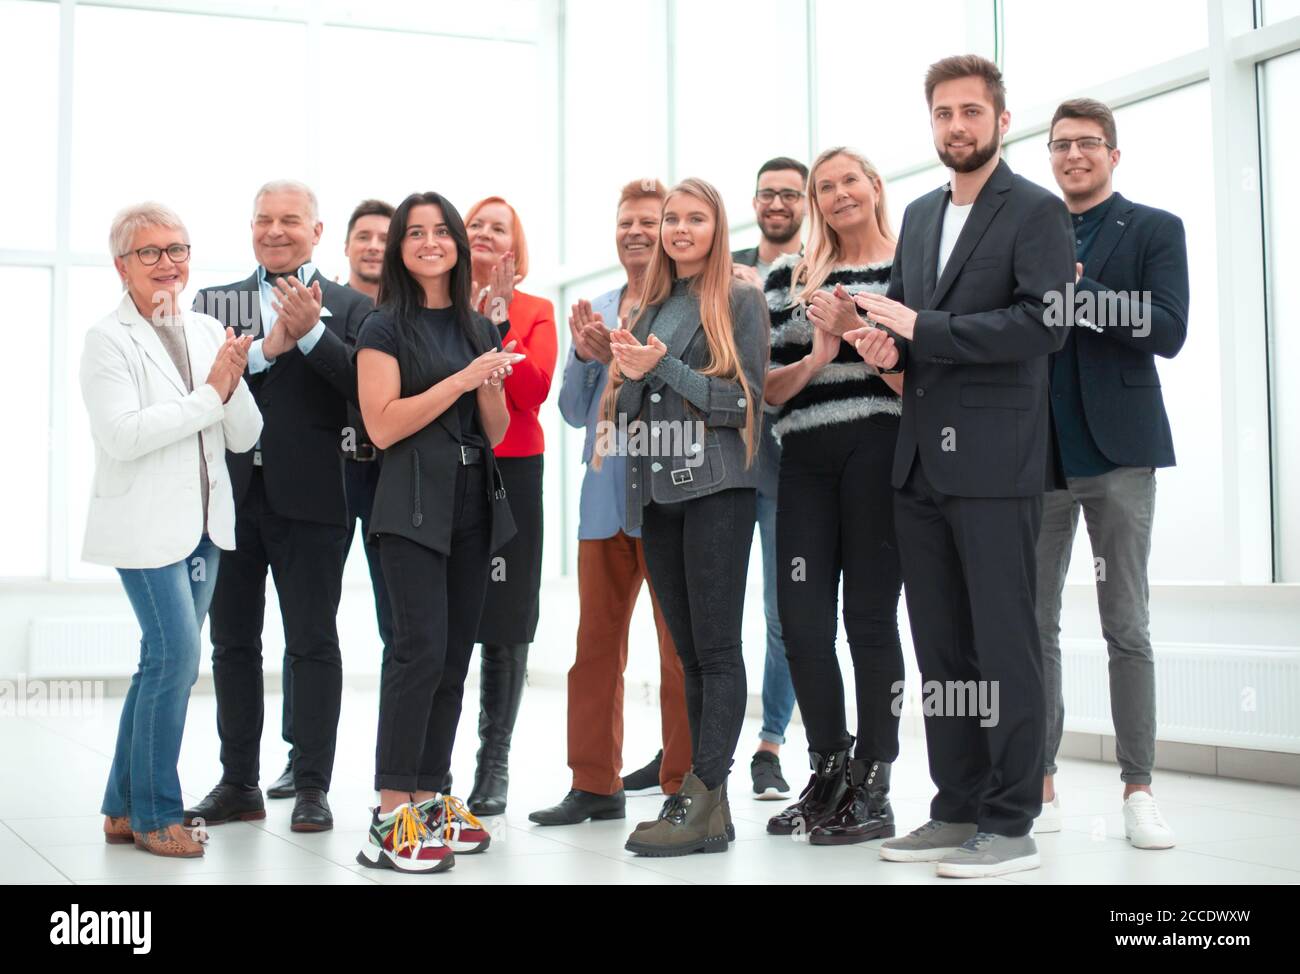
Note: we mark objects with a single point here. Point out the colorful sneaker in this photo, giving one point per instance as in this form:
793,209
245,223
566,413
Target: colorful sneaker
454,824
401,840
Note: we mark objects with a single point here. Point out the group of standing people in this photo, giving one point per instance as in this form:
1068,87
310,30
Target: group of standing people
893,414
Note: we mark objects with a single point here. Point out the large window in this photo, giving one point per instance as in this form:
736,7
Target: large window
1280,80
556,104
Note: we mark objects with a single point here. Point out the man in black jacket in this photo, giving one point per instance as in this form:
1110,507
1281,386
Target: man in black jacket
976,265
1131,303
290,508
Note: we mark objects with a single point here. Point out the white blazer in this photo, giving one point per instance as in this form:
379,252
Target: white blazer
145,508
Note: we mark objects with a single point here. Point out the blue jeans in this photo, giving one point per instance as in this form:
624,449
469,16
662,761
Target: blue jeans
778,690
169,603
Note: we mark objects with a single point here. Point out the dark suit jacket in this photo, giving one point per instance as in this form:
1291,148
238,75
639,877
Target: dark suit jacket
1138,249
416,495
975,398
748,256
304,403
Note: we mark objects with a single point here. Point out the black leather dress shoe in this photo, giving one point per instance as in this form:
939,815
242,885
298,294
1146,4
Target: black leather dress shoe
311,811
282,787
578,806
226,803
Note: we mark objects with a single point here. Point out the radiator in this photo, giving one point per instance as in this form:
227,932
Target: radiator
1220,695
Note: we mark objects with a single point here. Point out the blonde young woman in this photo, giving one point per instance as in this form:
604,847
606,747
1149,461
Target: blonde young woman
837,425
690,369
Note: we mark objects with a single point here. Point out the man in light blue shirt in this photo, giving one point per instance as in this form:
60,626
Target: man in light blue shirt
611,564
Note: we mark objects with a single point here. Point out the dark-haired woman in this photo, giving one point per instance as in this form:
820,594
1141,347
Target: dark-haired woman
429,382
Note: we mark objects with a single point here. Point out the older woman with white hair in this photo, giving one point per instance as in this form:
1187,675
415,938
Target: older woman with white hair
166,398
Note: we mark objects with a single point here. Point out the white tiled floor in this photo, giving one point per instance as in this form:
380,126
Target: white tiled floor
52,772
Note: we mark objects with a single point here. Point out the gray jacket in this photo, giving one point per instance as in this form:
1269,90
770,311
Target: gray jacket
690,441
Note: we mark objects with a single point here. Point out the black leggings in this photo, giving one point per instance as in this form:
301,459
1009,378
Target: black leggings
697,553
835,513
436,601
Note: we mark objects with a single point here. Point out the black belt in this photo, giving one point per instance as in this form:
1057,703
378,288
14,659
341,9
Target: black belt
364,453
470,455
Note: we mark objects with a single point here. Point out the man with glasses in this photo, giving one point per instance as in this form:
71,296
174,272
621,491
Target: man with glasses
291,510
1132,287
779,209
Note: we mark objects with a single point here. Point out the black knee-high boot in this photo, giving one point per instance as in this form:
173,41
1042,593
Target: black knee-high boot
503,673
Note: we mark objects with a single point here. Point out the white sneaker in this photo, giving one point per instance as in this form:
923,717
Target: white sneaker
1049,820
1144,826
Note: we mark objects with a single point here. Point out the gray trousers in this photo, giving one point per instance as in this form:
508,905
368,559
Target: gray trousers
1118,509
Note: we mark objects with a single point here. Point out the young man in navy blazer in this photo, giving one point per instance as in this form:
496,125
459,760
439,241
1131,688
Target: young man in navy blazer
977,263
1131,305
291,510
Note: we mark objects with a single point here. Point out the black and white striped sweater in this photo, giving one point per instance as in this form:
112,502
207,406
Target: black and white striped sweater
845,390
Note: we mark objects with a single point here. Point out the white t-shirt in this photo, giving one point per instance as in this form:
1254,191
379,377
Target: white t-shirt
954,218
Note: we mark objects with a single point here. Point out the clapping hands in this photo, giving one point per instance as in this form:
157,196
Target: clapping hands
589,334
228,367
634,359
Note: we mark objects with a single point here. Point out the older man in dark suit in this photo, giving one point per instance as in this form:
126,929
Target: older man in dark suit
291,511
977,263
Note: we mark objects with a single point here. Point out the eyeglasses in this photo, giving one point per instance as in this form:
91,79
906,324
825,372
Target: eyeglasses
788,196
1059,147
177,253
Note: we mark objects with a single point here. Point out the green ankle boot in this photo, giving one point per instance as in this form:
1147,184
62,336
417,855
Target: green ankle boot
693,820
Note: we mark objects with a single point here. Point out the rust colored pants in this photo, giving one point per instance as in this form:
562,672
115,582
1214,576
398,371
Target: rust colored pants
610,573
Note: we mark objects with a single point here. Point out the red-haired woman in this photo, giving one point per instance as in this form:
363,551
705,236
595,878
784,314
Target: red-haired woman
499,253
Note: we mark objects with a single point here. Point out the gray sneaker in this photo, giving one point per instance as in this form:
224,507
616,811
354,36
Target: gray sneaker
931,842
988,854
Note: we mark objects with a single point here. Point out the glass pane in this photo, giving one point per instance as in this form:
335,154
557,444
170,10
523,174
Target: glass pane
500,18
614,131
1192,492
741,81
871,63
29,63
900,193
477,143
1274,10
26,393
1280,79
202,149
93,292
1045,59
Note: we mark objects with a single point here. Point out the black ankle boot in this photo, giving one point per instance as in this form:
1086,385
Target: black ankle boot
824,793
502,677
864,812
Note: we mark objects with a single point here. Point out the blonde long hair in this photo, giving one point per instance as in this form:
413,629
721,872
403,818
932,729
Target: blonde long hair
824,246
712,287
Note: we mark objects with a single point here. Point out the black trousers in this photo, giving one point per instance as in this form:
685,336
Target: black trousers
697,553
835,516
970,570
436,600
306,563
359,481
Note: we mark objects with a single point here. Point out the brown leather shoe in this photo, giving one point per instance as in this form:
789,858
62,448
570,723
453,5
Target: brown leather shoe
173,842
117,830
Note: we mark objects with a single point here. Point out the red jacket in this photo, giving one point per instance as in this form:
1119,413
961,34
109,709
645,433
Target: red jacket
532,327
